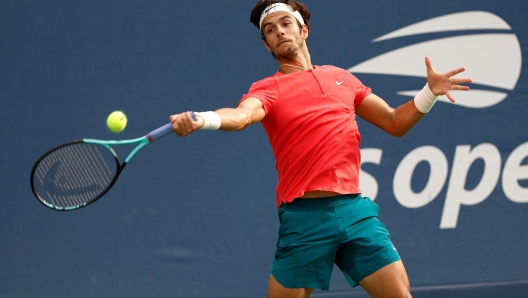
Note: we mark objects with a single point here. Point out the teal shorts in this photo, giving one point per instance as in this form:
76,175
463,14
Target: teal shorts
315,234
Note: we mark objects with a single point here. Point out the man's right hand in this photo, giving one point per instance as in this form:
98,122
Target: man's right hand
183,124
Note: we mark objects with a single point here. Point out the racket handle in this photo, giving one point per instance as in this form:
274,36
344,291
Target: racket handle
160,132
164,130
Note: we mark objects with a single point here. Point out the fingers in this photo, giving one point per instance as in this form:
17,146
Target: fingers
443,83
455,86
449,74
448,94
428,64
182,124
455,71
459,88
456,83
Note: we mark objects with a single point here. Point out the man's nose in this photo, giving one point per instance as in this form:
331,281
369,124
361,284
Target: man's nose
280,31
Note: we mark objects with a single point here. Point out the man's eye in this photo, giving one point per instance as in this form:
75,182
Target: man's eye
269,30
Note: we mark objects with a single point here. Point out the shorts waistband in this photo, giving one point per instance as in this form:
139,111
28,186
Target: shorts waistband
324,201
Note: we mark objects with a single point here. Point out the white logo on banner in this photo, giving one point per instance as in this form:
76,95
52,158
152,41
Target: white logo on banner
492,60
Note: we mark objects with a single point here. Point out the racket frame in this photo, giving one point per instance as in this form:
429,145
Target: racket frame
119,167
104,143
141,142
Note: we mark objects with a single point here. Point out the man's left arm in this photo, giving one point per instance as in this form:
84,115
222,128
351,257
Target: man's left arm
399,121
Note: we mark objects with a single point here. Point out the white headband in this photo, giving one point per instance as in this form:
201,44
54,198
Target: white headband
280,7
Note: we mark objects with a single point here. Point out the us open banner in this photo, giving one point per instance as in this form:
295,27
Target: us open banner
196,216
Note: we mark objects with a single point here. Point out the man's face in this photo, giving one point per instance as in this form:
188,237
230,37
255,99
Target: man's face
283,37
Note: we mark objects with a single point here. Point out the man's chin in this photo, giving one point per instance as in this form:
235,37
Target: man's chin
287,54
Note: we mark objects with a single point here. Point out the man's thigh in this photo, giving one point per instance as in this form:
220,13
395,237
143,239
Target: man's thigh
276,290
367,249
389,281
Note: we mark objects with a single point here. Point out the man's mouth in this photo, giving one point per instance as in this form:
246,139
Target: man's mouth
283,41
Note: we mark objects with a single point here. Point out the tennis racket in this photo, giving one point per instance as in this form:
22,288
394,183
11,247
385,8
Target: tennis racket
78,173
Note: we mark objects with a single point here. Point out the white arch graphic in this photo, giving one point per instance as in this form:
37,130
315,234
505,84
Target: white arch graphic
486,63
468,20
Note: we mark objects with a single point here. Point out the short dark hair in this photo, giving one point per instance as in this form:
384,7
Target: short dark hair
262,4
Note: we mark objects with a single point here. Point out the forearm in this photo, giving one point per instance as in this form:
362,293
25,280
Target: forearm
404,118
397,122
234,119
248,112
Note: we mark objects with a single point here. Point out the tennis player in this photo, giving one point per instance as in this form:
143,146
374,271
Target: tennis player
308,113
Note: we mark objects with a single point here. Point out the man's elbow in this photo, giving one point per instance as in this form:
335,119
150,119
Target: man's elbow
243,121
398,132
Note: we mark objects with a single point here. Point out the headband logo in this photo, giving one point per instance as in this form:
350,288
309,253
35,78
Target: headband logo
266,11
276,7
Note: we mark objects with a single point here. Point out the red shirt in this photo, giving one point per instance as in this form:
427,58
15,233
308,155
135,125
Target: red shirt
311,126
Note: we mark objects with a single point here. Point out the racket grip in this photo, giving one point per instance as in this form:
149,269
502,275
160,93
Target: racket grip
160,132
193,116
164,130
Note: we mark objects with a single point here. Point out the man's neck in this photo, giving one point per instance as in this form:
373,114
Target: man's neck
287,68
300,63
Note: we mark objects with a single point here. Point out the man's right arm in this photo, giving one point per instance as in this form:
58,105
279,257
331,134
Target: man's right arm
248,112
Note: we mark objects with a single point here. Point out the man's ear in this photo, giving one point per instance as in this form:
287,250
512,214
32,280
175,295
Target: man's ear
304,32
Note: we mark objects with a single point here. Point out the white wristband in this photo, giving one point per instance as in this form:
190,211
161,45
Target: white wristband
425,99
211,120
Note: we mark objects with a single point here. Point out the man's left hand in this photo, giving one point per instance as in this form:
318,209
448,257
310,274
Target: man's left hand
443,83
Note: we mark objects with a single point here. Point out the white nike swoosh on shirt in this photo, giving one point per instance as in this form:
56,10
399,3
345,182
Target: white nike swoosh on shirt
339,83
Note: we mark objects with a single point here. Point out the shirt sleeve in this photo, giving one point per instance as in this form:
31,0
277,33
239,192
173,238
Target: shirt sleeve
360,90
265,90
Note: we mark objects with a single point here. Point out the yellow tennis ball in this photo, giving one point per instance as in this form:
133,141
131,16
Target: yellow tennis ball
116,121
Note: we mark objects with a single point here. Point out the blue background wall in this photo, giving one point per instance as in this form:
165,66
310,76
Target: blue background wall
195,216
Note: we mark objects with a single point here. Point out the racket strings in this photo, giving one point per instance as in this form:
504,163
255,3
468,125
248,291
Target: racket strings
74,175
